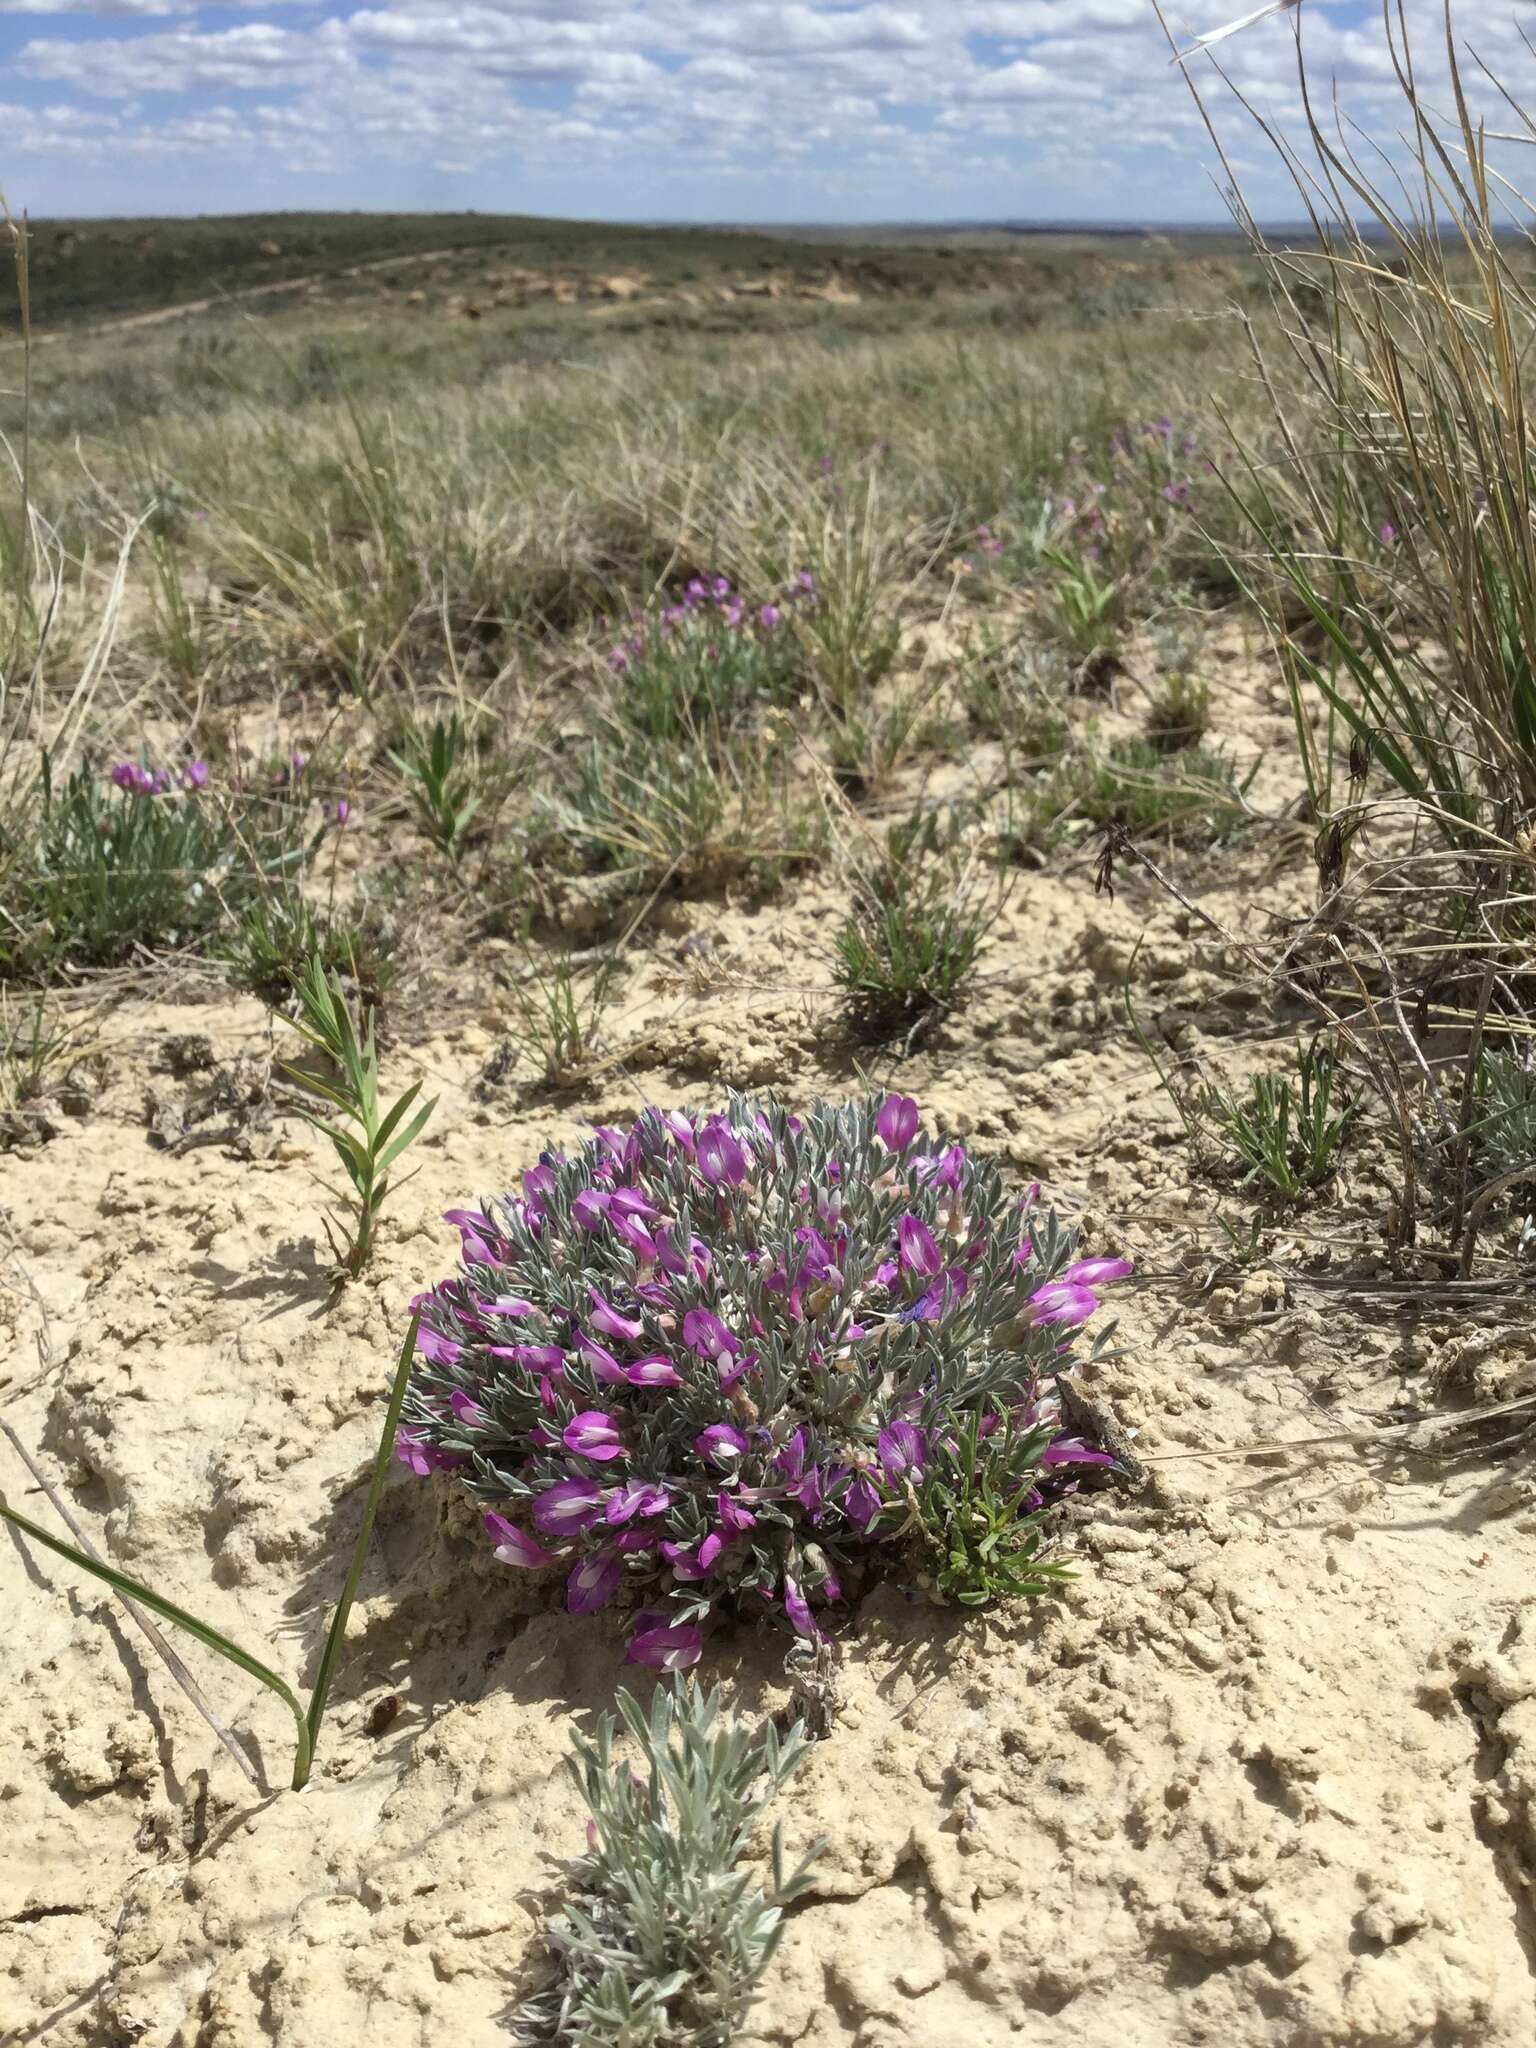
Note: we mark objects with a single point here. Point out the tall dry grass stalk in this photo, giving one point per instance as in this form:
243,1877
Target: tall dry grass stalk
1393,497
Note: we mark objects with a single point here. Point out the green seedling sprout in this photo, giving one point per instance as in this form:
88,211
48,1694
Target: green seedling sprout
368,1151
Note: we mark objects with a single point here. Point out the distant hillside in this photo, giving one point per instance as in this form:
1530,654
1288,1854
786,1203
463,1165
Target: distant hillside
87,271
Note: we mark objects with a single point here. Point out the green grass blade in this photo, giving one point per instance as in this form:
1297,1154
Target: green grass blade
338,1629
133,1589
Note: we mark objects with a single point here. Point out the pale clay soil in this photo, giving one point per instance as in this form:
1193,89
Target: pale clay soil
1263,1775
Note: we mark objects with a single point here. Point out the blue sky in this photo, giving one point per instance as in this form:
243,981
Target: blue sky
760,110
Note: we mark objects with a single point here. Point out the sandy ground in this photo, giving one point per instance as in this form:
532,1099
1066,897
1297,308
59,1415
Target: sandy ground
1264,1775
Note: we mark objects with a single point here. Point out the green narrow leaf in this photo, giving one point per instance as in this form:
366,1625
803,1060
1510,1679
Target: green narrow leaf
407,1137
336,1634
134,1589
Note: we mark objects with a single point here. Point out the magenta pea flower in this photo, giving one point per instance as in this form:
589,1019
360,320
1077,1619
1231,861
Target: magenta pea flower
719,1154
434,1346
641,1497
665,1646
538,1358
606,1317
706,1334
902,1450
605,1366
592,1434
684,1562
1386,533
733,1516
1057,1304
721,1444
768,617
569,1507
194,775
1095,1272
1069,1451
897,1122
414,1455
592,1583
861,1503
656,1370
918,1249
797,1607
513,1546
469,1412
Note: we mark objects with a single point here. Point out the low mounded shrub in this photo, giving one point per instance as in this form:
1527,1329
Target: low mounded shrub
709,1361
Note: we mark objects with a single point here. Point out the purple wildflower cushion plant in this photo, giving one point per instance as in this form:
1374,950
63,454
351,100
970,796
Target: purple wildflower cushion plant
703,1363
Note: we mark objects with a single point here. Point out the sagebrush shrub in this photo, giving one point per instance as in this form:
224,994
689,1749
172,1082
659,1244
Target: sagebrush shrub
708,1360
668,1935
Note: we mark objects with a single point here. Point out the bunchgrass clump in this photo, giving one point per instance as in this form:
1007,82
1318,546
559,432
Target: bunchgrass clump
1082,606
449,779
1195,794
102,870
700,1364
1282,1132
667,1937
693,671
683,775
280,931
1389,501
560,1013
1178,712
376,1137
917,923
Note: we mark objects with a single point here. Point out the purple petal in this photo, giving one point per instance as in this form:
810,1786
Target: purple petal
919,1251
1057,1304
515,1546
902,1450
719,1154
798,1610
606,1317
592,1434
591,1585
706,1334
1095,1272
896,1122
666,1648
656,1370
720,1444
572,1505
1069,1451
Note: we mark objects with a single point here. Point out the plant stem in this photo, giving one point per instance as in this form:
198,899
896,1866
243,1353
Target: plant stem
338,1628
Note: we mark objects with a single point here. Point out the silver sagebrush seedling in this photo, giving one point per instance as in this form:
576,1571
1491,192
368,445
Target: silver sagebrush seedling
667,1937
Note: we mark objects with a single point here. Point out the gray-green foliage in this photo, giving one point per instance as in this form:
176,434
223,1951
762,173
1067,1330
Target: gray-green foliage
666,1938
1506,1094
